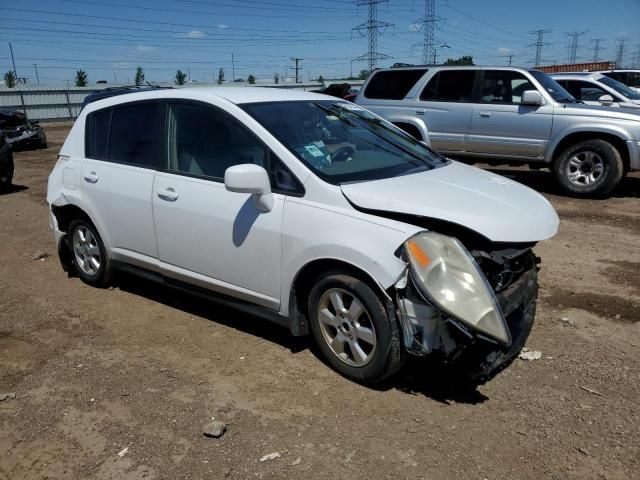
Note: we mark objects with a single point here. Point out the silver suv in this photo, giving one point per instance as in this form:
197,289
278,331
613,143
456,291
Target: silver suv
509,115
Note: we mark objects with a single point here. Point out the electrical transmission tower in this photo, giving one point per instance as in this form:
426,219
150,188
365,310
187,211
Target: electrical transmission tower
539,44
297,67
510,58
371,29
596,48
428,27
620,52
573,45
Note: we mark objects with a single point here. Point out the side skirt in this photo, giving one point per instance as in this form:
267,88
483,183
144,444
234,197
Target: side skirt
208,295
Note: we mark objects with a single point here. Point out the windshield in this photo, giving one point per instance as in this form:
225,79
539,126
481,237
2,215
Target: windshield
620,87
552,87
342,142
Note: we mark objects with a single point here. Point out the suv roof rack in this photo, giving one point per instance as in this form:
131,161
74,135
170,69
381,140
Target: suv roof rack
120,90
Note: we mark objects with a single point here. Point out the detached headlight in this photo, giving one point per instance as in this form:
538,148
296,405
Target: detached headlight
449,277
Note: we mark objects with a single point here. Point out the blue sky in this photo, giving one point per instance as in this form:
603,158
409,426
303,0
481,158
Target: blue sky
109,38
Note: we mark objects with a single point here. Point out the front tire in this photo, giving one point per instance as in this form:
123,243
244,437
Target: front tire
356,334
88,254
592,167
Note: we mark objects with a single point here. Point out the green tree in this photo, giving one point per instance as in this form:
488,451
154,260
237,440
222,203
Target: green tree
181,77
220,76
321,79
464,60
81,78
10,79
251,79
276,78
139,76
363,74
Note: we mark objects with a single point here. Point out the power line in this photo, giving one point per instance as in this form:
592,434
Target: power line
597,48
539,44
372,28
573,45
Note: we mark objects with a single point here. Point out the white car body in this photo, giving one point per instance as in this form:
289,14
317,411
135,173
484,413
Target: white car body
590,87
197,231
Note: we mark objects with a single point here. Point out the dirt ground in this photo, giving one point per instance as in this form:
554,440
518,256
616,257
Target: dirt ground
139,366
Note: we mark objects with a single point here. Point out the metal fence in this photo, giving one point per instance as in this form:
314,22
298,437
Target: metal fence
53,103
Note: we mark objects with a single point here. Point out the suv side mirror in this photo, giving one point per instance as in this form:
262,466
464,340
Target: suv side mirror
250,178
606,99
532,97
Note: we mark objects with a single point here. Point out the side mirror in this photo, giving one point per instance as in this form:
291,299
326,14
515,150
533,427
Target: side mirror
250,178
606,99
532,97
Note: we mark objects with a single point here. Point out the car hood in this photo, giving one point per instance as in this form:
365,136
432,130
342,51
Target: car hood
494,206
599,111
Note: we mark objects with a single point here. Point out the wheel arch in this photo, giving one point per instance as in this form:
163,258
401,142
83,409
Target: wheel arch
303,282
616,139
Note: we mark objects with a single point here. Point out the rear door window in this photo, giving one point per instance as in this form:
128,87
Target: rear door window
450,86
97,134
392,84
135,136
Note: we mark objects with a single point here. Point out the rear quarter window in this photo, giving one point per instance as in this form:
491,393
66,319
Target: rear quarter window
97,134
392,84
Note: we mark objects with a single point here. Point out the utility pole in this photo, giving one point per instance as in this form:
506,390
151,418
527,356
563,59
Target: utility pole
620,52
35,65
233,68
115,79
371,29
539,44
297,67
573,45
14,62
189,72
596,48
510,58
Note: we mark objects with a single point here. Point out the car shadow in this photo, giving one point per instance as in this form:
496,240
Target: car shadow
418,377
12,189
544,182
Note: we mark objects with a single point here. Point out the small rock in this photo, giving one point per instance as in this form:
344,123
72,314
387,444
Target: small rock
6,396
296,461
569,321
270,456
123,452
583,451
618,316
214,429
528,354
40,256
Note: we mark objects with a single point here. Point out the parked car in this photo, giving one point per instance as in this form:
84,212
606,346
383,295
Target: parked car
20,132
630,78
339,90
509,115
6,163
308,211
597,89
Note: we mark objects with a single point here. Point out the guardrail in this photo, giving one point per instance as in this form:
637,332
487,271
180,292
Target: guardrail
56,104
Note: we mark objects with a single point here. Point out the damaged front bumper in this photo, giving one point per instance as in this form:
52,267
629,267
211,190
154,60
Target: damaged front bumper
427,330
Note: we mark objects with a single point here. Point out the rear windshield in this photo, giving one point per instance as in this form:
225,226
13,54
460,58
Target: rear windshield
392,84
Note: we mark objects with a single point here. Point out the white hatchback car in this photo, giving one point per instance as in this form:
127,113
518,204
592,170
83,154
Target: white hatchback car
308,211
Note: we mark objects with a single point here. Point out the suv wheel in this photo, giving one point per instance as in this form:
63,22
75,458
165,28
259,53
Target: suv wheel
353,329
592,167
88,254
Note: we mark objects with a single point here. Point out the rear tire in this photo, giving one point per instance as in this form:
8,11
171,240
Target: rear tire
592,167
358,337
88,254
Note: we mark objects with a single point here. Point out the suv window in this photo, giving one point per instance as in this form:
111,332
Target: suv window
134,137
392,84
450,86
98,134
205,141
503,86
582,90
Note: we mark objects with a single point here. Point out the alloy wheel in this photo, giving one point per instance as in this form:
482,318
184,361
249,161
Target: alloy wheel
585,168
346,327
86,250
